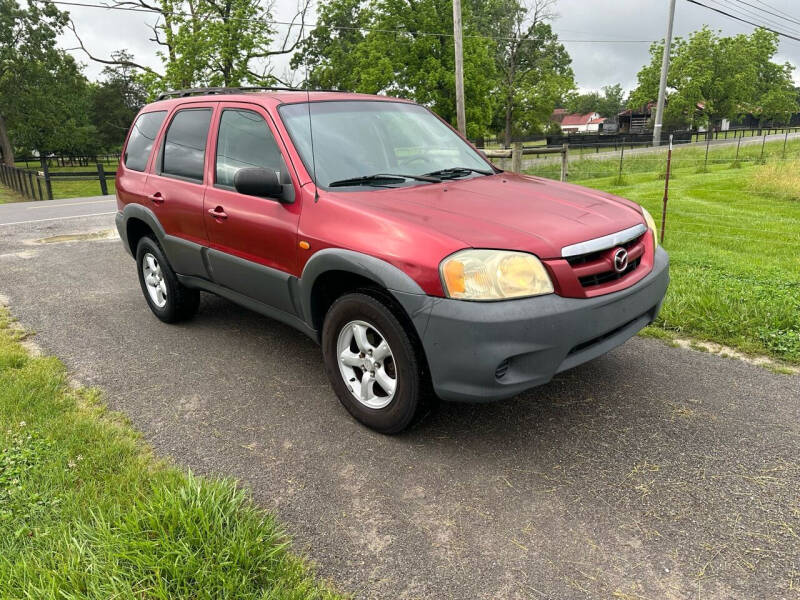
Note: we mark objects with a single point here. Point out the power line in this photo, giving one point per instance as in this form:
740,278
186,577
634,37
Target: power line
751,14
783,12
338,27
785,16
727,14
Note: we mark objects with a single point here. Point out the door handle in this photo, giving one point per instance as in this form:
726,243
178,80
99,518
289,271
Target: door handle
156,198
218,213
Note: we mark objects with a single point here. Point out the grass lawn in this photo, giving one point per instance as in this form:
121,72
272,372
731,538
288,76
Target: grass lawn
87,512
9,195
733,235
67,188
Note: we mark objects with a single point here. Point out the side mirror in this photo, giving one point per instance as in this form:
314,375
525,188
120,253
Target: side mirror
255,181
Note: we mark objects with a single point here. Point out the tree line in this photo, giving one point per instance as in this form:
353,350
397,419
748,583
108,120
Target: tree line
516,69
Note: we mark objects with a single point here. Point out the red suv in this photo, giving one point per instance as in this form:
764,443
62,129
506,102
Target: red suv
369,224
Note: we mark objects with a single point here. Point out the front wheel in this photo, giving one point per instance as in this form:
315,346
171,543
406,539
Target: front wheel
371,362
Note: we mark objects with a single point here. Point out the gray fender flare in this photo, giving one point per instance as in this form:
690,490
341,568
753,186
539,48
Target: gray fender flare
137,211
400,285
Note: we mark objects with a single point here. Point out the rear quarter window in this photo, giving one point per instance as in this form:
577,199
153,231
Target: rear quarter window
185,144
143,136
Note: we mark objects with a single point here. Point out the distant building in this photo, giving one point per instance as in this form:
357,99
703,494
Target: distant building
635,120
588,123
558,115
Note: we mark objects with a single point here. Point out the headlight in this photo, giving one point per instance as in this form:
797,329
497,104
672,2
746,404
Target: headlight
493,275
651,225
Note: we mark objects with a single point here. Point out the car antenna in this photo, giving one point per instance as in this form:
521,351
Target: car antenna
310,129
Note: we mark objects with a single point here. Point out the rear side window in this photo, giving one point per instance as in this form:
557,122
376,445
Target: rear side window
245,140
143,136
185,144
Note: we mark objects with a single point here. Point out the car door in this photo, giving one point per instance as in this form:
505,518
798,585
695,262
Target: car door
177,183
253,240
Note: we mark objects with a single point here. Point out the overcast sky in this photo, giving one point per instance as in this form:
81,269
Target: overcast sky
595,64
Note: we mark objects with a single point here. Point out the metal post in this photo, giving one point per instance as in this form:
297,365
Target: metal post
102,175
666,190
763,143
708,143
621,157
458,42
564,161
662,85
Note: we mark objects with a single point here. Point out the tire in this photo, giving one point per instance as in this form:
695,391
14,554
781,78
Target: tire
169,299
373,404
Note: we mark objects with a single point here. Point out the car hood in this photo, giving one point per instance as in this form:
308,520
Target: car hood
510,211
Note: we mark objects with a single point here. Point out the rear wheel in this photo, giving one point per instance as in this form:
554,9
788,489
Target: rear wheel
167,297
372,363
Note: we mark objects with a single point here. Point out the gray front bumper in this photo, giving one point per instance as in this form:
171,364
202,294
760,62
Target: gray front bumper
467,343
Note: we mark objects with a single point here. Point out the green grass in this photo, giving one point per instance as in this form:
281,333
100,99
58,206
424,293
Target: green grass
87,512
9,195
733,242
65,188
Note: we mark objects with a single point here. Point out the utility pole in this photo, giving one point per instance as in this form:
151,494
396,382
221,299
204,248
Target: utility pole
461,119
662,86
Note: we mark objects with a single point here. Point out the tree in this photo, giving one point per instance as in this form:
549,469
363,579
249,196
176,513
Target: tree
402,48
327,56
608,104
535,69
514,68
43,95
713,77
115,101
209,43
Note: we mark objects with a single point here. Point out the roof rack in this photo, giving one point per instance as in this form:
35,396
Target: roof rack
207,91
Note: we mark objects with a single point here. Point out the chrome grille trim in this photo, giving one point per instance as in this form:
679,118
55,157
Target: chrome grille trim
605,242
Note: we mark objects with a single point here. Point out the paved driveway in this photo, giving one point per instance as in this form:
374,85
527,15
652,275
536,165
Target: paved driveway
653,472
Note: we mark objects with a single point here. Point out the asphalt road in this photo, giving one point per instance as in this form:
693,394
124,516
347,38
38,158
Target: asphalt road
653,472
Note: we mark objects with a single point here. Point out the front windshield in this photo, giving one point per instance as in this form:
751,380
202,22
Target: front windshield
361,138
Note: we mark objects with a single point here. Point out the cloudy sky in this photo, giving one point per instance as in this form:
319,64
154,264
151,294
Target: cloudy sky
595,63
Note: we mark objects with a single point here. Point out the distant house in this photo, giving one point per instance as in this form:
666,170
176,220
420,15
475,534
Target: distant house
588,123
558,115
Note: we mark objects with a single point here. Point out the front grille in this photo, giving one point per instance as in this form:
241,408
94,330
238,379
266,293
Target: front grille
608,276
596,268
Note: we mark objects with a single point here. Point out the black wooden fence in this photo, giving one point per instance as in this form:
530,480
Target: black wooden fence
70,160
25,182
38,185
633,140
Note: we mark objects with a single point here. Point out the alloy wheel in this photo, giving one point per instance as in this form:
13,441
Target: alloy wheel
154,280
367,364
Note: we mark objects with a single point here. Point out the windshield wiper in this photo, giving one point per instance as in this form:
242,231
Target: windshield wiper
381,179
454,172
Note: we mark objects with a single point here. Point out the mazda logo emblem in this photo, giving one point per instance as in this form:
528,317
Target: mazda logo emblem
620,260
